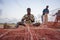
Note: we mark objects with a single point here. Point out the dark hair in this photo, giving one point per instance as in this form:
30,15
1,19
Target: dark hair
29,9
47,6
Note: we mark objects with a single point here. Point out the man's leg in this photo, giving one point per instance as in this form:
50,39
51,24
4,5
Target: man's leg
55,22
43,19
46,18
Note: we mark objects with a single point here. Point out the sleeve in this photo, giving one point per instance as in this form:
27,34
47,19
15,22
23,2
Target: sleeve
44,10
23,18
48,11
32,18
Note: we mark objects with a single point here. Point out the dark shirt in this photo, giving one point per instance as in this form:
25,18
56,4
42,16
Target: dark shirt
45,11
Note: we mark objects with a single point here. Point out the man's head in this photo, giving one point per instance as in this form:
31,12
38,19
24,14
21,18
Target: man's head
28,10
47,7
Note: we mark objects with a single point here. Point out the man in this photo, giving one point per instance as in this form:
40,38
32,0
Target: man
57,16
45,15
28,18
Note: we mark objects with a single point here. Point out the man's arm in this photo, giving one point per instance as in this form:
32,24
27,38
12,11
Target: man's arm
23,19
48,11
55,14
32,19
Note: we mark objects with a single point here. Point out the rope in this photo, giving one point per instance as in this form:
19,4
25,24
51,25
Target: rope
4,34
28,27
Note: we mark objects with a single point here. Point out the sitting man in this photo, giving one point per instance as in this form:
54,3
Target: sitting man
28,18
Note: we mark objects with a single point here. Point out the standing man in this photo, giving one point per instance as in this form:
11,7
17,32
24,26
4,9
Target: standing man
45,15
28,18
57,16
